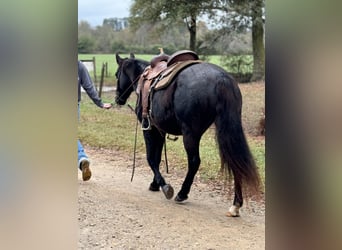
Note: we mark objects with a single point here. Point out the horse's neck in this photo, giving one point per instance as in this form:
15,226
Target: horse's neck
141,66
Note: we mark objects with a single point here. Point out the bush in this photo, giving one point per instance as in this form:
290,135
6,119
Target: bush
239,64
118,46
85,44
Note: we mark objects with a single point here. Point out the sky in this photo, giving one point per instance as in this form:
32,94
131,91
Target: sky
94,11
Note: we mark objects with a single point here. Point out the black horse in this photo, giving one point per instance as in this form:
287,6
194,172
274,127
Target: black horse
200,95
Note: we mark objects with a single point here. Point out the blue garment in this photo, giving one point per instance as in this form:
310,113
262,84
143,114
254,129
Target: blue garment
81,153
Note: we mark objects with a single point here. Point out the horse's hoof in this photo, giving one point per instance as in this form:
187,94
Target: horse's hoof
179,199
153,187
233,211
168,191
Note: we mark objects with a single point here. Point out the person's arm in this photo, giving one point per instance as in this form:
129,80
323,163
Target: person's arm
87,84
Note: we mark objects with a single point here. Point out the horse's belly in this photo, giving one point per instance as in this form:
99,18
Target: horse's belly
166,123
163,116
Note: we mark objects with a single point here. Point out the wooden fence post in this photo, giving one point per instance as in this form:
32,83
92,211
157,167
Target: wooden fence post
102,78
94,69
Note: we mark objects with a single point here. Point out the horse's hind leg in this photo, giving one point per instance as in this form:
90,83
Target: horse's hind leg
154,144
191,144
238,201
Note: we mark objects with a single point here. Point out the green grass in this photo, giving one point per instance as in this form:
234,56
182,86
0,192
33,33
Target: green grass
115,129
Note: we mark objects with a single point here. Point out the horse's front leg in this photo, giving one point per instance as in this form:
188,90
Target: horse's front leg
154,142
191,145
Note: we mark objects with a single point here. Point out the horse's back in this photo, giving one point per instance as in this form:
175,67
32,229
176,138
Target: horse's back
199,86
202,80
199,90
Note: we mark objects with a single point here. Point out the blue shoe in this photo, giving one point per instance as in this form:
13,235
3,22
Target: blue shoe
84,166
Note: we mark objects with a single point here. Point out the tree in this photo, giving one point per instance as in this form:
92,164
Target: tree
241,15
84,29
252,15
86,41
167,12
105,36
85,44
258,42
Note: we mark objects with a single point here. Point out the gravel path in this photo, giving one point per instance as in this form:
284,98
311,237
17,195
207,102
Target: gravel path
115,213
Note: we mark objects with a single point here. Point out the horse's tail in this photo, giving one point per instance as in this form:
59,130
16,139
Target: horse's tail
234,150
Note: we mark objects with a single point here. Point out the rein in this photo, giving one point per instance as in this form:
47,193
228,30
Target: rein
136,126
136,132
135,143
133,82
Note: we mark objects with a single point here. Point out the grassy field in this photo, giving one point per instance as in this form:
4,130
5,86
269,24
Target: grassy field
115,129
112,65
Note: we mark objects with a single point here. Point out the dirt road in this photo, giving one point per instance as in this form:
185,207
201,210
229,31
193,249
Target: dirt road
115,213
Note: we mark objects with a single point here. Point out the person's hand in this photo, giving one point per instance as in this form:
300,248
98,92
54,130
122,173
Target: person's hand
107,105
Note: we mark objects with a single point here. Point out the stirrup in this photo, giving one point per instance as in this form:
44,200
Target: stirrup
149,124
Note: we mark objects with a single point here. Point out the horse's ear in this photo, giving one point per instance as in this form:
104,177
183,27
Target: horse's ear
118,58
131,55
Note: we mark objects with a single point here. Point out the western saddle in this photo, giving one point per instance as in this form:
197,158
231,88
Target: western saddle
158,75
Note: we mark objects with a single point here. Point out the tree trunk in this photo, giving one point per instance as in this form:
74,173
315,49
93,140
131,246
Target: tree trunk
258,44
192,30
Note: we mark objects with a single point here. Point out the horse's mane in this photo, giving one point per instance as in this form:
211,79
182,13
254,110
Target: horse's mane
142,63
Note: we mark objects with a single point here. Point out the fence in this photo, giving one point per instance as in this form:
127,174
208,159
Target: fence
104,71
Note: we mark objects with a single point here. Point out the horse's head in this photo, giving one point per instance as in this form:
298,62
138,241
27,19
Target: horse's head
127,74
124,83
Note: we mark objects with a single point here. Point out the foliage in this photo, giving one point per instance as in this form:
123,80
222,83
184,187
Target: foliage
250,13
225,42
143,41
238,64
105,39
85,44
173,38
118,46
161,11
166,12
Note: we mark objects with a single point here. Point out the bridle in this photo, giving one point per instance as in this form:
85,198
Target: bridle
133,82
131,85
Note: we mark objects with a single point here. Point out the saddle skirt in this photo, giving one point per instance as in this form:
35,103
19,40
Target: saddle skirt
166,76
